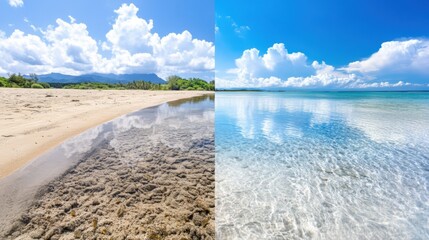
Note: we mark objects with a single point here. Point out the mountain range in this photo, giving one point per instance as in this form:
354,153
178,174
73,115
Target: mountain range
99,77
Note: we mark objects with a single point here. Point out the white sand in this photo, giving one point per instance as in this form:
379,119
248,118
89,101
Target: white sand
33,121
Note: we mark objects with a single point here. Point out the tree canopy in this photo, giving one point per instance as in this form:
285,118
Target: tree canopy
173,83
19,81
178,83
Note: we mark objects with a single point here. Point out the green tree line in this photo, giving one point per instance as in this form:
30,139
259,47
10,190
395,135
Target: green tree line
19,81
173,83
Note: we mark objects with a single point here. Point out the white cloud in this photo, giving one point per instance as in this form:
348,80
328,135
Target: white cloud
279,68
410,56
71,46
239,30
32,26
276,62
16,3
131,33
175,50
132,42
385,84
20,52
72,19
68,48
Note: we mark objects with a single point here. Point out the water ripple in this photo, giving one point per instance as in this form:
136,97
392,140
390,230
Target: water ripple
327,167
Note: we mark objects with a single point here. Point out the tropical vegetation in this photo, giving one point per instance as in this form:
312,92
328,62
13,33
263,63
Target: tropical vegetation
19,81
173,83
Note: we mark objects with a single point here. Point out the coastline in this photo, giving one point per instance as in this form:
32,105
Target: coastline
34,121
155,180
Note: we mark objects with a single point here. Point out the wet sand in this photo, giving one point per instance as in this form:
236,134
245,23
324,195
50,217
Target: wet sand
33,121
153,182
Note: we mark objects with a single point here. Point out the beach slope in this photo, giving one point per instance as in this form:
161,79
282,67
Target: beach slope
33,121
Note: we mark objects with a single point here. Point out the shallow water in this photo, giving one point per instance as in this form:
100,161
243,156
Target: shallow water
192,118
322,165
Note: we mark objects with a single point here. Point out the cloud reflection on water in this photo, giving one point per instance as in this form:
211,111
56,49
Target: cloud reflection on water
370,117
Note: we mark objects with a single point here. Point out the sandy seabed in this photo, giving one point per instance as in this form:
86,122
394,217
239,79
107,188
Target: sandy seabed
149,183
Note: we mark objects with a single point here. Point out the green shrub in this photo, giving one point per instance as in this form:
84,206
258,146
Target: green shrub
45,85
4,82
36,85
17,79
29,85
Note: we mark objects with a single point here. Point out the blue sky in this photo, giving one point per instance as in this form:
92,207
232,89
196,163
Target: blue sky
337,33
188,24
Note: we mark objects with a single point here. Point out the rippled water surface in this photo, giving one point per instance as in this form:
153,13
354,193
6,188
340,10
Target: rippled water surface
322,165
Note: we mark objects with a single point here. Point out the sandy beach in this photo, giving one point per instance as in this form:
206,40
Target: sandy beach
33,121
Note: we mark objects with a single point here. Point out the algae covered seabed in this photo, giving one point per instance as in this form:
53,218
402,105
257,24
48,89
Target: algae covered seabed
152,177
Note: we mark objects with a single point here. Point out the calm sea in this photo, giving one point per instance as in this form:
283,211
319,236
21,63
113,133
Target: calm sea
318,165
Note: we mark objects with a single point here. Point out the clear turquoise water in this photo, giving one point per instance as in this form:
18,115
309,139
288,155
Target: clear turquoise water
322,165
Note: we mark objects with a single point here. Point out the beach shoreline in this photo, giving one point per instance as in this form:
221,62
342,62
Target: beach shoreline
33,121
151,176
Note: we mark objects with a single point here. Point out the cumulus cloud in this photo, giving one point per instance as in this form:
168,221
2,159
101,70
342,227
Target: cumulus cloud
16,3
281,69
411,56
72,47
136,48
276,62
131,33
21,52
68,48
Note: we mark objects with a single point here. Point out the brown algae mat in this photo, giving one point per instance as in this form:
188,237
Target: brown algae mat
140,185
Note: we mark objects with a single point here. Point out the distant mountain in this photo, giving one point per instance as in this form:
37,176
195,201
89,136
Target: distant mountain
98,77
